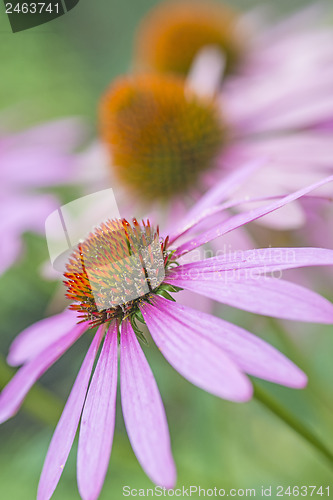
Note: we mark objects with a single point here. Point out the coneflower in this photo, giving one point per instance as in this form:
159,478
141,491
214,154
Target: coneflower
125,276
161,135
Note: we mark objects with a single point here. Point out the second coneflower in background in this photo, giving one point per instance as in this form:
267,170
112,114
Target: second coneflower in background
168,143
275,104
161,135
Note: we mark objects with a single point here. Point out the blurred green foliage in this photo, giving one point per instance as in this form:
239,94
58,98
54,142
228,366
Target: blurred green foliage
60,69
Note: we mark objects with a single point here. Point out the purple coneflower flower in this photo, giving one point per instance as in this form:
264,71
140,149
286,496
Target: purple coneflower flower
175,137
40,157
122,277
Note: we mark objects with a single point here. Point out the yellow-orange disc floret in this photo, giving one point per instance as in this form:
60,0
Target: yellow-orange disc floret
118,264
174,32
161,135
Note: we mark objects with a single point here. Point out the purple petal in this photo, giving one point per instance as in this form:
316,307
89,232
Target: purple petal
309,111
144,413
243,218
300,149
216,195
15,391
63,134
25,212
193,354
37,337
301,91
261,295
256,261
24,155
98,419
251,354
302,20
64,434
195,301
25,167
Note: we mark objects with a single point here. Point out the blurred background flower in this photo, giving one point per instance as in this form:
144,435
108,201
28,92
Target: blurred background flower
33,161
273,102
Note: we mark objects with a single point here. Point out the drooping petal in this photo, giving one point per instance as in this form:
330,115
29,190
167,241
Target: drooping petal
251,354
243,218
98,419
144,413
261,295
37,337
15,391
64,434
194,355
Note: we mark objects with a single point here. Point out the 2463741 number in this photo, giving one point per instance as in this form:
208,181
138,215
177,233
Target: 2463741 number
302,491
32,8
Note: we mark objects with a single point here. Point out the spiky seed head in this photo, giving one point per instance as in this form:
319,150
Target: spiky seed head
117,265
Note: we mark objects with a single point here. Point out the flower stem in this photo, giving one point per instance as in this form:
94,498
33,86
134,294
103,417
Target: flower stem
283,413
40,403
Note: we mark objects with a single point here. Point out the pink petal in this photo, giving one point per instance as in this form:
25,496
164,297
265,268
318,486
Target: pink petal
196,301
25,213
64,434
303,100
37,337
206,72
251,354
257,260
309,112
219,213
14,393
261,295
193,354
303,19
63,134
302,148
143,411
217,194
243,218
98,419
25,167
